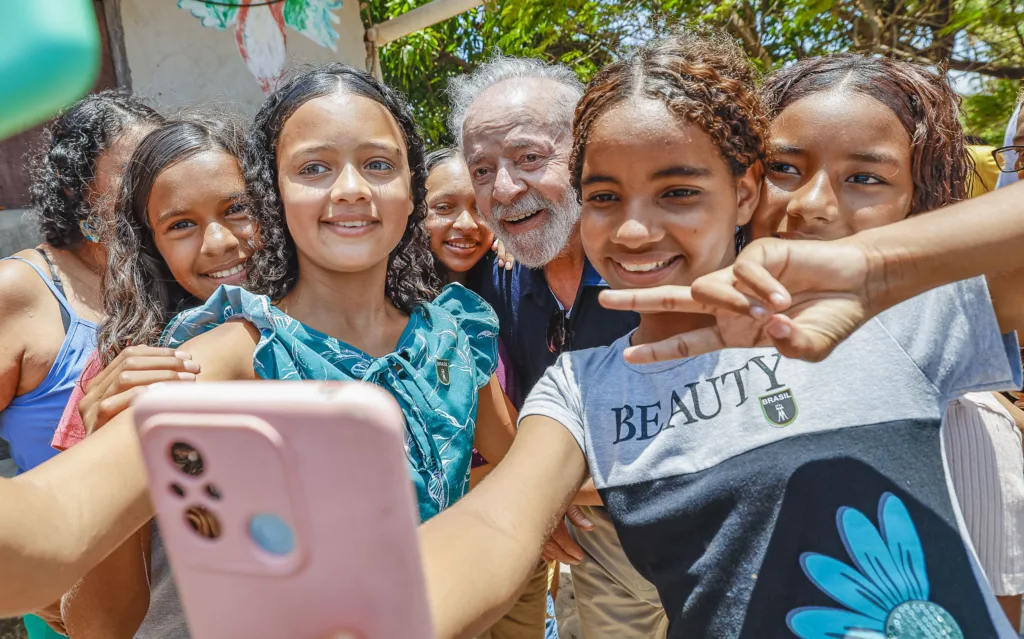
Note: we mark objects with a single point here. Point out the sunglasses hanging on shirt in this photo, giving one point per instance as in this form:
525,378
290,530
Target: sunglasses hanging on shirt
558,331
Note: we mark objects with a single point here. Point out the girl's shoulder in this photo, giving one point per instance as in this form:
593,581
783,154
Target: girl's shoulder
463,305
227,303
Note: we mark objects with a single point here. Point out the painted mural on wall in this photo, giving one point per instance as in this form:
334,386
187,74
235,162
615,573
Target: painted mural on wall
259,28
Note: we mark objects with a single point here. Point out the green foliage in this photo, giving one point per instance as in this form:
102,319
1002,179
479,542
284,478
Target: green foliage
987,112
982,36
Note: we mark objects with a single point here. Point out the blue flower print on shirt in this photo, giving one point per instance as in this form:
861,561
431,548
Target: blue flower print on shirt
886,590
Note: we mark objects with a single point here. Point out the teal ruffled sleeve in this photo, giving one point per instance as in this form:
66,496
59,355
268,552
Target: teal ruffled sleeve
233,302
478,321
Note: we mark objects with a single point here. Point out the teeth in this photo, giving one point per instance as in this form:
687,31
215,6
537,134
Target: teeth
462,245
521,216
643,268
229,272
352,225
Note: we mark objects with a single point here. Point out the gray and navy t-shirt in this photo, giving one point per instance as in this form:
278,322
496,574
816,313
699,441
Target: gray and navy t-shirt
771,497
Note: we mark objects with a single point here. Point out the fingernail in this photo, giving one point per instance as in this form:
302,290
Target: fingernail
187,377
192,367
777,298
758,312
183,354
778,330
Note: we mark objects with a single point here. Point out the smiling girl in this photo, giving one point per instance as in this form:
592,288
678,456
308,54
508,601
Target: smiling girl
858,142
335,176
181,229
459,238
736,486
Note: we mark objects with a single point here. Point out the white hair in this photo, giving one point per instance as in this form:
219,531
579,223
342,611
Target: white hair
463,90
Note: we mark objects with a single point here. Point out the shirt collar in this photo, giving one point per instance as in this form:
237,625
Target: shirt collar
533,282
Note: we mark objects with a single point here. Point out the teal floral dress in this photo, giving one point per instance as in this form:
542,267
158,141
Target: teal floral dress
448,351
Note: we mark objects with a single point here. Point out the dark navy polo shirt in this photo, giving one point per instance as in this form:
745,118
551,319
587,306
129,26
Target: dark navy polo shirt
524,304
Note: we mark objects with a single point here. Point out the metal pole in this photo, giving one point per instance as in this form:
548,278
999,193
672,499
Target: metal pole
419,18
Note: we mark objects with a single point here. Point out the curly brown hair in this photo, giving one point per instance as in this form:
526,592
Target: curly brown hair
701,76
921,100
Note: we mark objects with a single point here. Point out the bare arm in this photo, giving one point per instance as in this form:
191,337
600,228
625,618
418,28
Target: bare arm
1016,413
113,598
478,553
806,297
495,425
72,511
17,304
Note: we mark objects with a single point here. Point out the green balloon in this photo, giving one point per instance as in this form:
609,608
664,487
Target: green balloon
50,57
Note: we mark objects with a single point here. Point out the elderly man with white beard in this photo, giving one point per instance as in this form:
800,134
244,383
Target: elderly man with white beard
513,118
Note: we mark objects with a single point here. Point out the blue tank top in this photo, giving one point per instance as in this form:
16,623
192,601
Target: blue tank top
29,421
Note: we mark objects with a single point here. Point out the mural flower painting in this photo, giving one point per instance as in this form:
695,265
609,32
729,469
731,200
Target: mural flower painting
885,592
260,29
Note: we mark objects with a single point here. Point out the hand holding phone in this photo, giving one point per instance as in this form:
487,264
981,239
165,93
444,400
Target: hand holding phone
286,509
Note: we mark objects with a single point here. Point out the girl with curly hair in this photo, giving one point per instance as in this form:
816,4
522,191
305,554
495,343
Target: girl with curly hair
858,142
50,298
335,174
753,501
336,180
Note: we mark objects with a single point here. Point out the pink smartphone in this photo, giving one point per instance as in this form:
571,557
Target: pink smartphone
286,509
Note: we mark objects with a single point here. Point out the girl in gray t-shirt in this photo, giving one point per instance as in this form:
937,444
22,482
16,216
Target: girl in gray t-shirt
762,496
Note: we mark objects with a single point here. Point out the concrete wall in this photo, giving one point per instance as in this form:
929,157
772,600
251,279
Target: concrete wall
19,230
175,61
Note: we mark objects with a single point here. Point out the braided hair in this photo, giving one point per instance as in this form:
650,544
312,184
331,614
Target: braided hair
921,100
702,77
411,278
63,171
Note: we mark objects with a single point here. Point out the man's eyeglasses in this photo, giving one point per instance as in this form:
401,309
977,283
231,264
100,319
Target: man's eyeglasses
558,331
1009,159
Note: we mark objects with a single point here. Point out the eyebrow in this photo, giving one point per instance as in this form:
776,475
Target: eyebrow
875,157
672,171
523,143
167,215
787,149
436,195
320,148
683,171
382,146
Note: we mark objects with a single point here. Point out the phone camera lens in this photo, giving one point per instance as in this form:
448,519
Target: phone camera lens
177,490
187,458
213,491
203,522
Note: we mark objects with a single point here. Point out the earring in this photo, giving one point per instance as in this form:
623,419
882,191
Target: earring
89,230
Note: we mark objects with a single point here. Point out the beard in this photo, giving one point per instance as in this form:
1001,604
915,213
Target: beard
540,245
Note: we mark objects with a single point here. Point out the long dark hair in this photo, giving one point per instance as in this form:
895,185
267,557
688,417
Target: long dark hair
62,172
921,100
410,276
139,293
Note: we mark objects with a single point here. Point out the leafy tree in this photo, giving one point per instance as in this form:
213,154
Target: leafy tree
979,36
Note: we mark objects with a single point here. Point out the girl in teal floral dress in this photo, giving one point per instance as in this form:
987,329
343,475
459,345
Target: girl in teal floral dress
335,171
336,182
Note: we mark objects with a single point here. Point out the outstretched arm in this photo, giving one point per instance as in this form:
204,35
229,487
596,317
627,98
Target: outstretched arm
477,553
72,512
805,297
113,598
